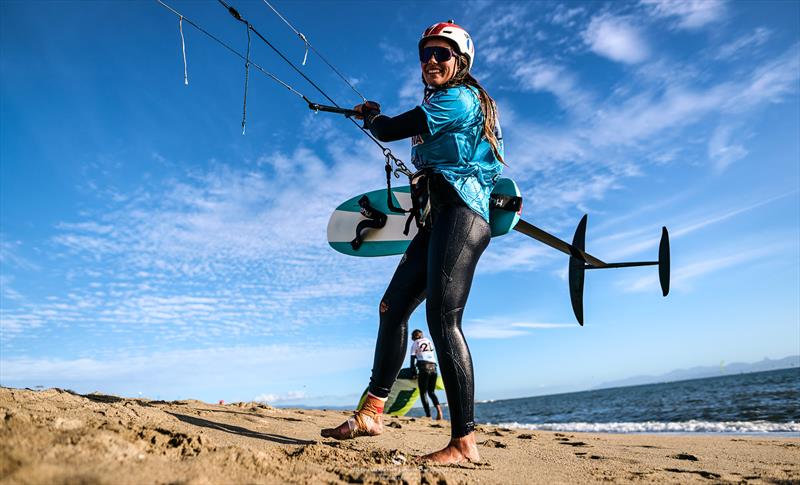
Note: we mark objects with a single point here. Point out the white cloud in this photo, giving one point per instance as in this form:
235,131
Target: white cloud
504,327
691,14
276,398
7,292
10,260
515,254
694,226
683,275
543,76
537,325
617,39
736,47
563,15
641,116
770,82
646,114
721,151
392,52
651,235
411,88
535,148
10,256
592,188
638,211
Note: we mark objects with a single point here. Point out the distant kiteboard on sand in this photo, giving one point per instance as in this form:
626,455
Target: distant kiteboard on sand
404,393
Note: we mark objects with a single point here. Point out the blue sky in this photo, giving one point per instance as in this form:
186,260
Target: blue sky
148,247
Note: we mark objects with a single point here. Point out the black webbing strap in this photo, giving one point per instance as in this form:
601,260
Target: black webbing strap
420,196
389,200
411,217
375,219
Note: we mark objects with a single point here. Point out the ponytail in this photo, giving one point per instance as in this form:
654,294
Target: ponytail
489,109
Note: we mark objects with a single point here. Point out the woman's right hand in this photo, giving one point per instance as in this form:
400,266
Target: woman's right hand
368,108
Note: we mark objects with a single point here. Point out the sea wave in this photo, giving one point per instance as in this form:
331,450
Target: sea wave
664,427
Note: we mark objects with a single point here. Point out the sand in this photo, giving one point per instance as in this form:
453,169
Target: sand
60,437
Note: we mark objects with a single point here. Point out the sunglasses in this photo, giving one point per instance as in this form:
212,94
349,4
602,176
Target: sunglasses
442,54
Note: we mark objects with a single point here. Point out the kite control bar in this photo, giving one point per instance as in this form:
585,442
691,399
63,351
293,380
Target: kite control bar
333,109
580,260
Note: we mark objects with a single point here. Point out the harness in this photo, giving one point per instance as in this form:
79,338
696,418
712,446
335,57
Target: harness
419,211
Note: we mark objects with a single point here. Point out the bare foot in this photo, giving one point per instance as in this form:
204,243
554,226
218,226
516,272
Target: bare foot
356,425
438,412
459,450
367,421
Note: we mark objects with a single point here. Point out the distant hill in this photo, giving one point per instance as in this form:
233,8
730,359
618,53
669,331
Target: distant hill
707,371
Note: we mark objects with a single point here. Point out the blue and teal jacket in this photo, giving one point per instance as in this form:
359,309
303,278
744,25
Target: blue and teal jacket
456,147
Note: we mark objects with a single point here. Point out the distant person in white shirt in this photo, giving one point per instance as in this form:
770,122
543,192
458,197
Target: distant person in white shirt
425,371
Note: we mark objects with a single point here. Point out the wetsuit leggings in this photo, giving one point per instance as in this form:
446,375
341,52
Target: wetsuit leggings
426,380
439,264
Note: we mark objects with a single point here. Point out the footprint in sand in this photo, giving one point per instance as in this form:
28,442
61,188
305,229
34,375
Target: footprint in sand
591,457
493,444
702,473
574,443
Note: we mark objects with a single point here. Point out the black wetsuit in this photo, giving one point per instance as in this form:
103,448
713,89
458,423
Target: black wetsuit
438,265
426,381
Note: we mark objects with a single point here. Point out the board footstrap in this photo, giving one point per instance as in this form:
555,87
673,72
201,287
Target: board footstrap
375,219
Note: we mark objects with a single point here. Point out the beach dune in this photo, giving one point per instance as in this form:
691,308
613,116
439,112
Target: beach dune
60,437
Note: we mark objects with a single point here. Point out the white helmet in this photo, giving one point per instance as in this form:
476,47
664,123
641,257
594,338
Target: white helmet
455,34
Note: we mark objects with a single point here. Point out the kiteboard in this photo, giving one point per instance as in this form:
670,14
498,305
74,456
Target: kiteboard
366,226
404,393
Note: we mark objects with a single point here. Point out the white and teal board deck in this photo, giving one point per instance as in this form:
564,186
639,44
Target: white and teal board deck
390,240
386,241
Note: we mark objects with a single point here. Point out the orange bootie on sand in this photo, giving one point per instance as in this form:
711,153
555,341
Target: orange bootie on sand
367,421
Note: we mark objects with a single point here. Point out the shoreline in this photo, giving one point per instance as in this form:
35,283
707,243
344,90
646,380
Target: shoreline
56,436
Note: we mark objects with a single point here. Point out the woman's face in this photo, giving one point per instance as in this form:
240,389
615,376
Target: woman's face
434,72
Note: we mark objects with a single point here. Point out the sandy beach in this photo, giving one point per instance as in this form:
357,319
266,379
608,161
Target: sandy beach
59,437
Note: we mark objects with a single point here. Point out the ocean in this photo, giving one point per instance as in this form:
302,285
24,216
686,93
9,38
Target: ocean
759,402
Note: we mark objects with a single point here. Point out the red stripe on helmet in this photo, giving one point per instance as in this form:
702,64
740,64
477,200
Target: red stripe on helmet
438,28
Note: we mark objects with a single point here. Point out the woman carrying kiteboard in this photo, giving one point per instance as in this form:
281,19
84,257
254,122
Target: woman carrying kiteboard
458,149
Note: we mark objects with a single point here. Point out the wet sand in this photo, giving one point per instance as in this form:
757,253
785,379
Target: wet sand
59,437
